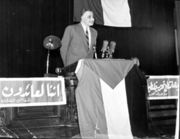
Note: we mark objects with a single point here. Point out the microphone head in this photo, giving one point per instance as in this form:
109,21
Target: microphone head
112,46
105,45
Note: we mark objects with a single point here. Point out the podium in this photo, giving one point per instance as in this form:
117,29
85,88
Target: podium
111,99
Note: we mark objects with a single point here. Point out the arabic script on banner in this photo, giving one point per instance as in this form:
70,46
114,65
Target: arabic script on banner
32,91
163,86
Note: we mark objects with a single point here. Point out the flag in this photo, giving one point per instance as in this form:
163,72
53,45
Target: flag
105,108
117,13
106,12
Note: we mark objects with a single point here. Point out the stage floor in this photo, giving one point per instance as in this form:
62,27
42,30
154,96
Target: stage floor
38,130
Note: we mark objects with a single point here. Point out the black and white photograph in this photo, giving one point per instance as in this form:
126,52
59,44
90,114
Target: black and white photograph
89,69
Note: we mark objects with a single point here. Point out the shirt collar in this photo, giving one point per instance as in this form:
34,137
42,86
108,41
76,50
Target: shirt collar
84,26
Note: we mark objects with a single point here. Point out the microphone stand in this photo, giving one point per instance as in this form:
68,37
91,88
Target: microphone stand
47,62
95,53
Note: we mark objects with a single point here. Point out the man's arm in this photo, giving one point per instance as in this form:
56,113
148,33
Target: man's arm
65,43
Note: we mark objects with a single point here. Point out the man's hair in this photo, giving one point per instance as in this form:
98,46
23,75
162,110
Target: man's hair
85,10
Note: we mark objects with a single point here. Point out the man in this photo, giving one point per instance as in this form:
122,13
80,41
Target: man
79,39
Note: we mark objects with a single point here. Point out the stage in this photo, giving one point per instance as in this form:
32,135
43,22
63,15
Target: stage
40,129
119,112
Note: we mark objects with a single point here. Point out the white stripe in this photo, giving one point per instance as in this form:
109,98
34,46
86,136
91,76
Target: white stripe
116,13
116,111
89,37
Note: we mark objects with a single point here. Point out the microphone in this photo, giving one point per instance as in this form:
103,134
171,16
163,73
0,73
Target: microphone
112,48
94,50
104,48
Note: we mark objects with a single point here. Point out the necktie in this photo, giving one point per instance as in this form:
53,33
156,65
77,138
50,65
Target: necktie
87,36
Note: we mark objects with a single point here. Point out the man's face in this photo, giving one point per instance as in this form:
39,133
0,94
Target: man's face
87,18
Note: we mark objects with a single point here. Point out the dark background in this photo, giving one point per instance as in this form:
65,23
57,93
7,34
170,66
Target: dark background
25,23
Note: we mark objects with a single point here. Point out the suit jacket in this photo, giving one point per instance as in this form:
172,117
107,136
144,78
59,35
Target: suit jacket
74,44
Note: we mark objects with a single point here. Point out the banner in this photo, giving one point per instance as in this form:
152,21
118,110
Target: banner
163,87
18,92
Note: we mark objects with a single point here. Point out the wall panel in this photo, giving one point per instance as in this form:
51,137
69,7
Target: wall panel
23,25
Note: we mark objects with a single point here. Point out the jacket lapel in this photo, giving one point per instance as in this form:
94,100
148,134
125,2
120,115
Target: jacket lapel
82,35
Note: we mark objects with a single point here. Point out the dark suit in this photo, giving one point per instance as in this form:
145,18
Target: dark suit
74,44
